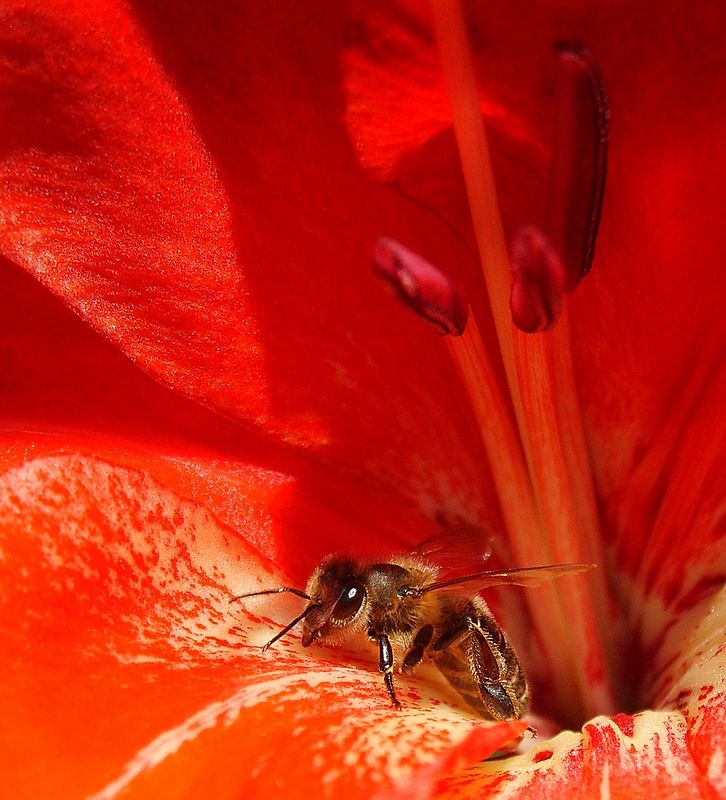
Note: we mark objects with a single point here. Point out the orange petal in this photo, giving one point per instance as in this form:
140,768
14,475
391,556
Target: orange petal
126,670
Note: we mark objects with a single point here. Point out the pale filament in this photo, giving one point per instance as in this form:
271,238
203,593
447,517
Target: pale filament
538,454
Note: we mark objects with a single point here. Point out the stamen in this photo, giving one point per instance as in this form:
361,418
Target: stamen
573,647
478,176
502,445
499,436
559,460
547,263
579,160
422,286
562,478
402,267
538,281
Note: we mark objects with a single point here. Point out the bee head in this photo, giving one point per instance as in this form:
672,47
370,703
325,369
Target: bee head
338,596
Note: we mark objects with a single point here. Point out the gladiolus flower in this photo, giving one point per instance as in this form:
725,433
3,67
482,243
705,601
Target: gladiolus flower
206,389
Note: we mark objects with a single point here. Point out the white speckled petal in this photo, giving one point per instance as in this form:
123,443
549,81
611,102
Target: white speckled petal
676,752
129,674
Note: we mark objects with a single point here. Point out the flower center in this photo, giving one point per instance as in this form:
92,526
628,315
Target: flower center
534,437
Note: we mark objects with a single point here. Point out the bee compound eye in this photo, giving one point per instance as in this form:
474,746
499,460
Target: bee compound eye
349,602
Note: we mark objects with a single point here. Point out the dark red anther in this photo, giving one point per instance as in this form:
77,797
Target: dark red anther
422,286
538,281
579,160
549,261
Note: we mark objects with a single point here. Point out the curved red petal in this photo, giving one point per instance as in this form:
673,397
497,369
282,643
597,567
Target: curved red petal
639,756
687,673
68,390
171,206
127,671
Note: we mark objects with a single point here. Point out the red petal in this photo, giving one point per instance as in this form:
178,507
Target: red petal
185,214
63,377
639,756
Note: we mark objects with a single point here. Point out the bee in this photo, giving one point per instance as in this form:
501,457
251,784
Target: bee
413,612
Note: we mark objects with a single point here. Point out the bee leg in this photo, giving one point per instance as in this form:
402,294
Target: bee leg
451,636
418,648
487,671
385,665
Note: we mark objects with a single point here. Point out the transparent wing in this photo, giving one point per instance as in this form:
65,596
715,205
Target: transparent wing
528,576
461,549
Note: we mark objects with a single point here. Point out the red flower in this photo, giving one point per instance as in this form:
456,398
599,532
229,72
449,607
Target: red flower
180,177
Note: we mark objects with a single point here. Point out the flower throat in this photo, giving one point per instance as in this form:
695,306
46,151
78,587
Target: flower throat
532,427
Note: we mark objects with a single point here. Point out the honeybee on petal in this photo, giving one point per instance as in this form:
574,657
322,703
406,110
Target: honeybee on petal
413,612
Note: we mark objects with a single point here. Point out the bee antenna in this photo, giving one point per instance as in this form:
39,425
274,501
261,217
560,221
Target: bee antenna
290,625
277,590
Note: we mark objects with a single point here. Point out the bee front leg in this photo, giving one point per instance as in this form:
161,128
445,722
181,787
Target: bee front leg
385,665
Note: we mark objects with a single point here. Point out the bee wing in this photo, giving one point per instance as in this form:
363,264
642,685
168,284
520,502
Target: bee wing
457,549
527,576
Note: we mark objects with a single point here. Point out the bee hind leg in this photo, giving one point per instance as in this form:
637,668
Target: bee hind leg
482,648
473,654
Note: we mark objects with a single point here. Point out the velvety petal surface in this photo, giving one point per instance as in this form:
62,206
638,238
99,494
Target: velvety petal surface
183,179
128,673
66,389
